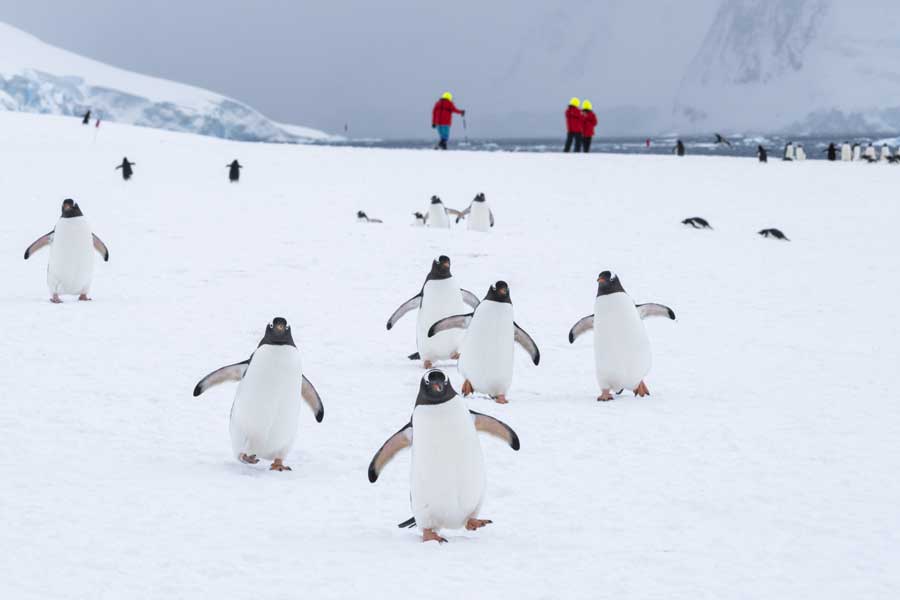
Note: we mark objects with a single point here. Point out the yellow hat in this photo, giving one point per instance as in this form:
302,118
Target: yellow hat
447,96
586,105
574,102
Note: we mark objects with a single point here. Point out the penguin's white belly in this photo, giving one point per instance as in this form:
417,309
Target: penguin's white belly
856,155
267,404
621,346
789,152
71,266
870,152
845,153
486,352
437,216
885,153
447,478
440,298
801,154
480,217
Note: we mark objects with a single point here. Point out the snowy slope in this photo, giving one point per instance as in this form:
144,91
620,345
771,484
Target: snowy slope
763,465
37,77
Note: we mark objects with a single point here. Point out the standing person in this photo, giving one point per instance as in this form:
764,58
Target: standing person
574,121
589,122
442,118
679,148
86,120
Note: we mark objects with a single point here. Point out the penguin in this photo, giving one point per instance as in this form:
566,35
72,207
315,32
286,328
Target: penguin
70,269
762,154
772,232
679,148
621,346
857,152
126,168
266,409
885,153
800,153
720,140
697,223
364,218
486,351
438,214
482,217
419,219
788,151
234,171
846,152
447,474
831,152
86,119
439,297
869,154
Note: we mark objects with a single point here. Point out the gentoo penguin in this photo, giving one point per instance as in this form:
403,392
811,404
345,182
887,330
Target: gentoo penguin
486,352
481,218
72,245
762,154
857,152
720,140
234,171
438,214
772,232
846,152
697,223
679,148
869,154
788,151
364,218
447,476
86,119
621,347
885,153
800,153
830,151
439,297
266,406
126,168
419,219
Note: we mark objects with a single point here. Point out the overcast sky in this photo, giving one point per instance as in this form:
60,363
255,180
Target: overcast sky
379,66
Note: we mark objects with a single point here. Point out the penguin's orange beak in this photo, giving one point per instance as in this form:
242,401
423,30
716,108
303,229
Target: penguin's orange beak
601,279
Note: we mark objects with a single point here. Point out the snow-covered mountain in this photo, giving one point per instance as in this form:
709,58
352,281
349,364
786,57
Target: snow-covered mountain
809,66
37,77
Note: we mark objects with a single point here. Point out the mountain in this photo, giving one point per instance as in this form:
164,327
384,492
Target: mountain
36,77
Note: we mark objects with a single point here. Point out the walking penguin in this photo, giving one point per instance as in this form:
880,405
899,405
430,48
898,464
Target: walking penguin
234,171
126,168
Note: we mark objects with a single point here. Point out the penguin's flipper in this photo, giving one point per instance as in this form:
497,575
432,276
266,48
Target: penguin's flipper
100,247
523,339
412,303
492,217
394,444
496,428
454,322
655,310
44,240
414,356
311,397
470,298
583,325
461,214
233,372
407,524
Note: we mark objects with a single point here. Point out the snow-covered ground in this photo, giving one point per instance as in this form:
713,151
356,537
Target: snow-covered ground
763,465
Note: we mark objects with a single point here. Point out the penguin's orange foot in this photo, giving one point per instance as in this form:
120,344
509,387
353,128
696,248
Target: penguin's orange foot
606,396
84,298
428,364
429,535
249,459
455,356
501,399
277,465
467,388
56,299
473,524
641,390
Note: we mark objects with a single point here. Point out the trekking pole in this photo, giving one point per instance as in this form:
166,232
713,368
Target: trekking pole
465,132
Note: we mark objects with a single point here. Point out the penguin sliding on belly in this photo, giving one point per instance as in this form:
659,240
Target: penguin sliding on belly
447,476
70,269
621,347
266,406
439,297
481,218
486,352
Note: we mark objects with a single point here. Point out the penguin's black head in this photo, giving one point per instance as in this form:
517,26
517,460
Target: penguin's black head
278,333
440,268
360,214
435,200
480,198
608,283
70,209
418,215
499,292
435,388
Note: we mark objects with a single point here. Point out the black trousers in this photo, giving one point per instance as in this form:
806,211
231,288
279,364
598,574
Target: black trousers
586,144
573,137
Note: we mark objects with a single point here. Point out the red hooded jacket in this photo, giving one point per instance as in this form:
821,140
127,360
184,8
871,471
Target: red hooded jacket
590,122
574,119
443,112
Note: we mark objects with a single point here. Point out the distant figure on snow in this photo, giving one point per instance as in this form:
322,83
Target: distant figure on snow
775,233
647,143
831,151
846,152
885,152
869,154
588,124
126,167
800,153
721,140
234,171
762,154
857,152
442,118
679,148
87,118
697,223
788,151
574,123
364,218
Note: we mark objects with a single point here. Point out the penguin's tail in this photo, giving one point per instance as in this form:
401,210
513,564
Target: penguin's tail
414,356
407,524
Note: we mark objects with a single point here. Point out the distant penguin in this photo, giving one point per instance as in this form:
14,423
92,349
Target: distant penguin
447,474
481,218
697,223
234,171
364,218
885,153
126,168
857,152
70,269
846,152
869,154
438,214
831,152
439,297
800,153
419,219
86,120
621,346
266,409
486,351
788,151
762,154
721,140
679,148
772,232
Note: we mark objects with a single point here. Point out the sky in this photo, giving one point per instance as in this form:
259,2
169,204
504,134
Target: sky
379,67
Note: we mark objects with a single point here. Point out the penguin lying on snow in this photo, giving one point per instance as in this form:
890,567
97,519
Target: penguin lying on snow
439,297
482,218
267,403
486,352
447,476
621,347
438,214
364,218
420,219
772,232
70,269
697,223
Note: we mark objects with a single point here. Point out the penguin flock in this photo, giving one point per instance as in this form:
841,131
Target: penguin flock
846,153
478,215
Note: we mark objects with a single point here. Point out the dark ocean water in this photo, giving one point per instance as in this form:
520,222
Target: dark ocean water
741,145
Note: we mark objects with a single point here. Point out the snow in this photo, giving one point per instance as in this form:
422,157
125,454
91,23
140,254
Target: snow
763,465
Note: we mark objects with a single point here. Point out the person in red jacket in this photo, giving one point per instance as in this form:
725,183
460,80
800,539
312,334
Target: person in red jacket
574,121
588,124
442,118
